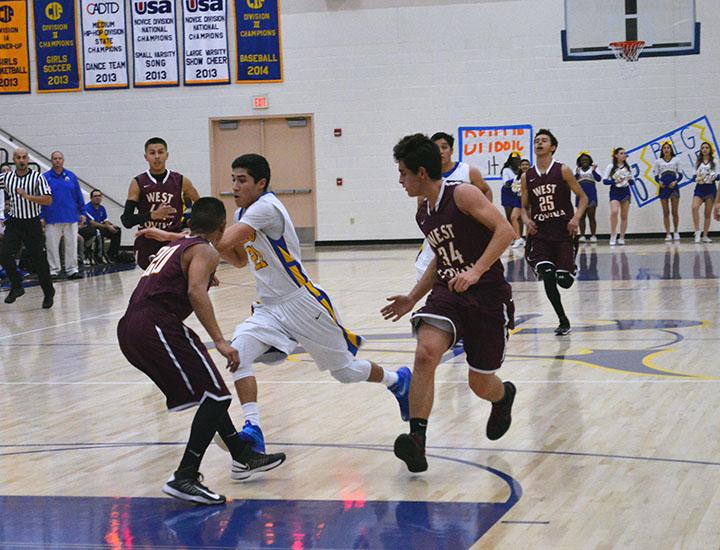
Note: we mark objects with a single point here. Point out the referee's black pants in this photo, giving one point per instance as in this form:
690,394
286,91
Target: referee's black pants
30,233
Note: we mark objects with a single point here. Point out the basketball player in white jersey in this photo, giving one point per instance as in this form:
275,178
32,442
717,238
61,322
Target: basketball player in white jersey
291,310
453,173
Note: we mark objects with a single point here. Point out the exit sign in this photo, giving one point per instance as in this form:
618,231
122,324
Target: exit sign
260,102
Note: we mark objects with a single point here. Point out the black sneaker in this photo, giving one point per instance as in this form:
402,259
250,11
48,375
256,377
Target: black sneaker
75,276
253,463
14,294
192,490
408,449
500,417
563,329
48,300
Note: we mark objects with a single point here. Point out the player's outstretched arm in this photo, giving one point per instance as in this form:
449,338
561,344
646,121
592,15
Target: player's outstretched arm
476,178
472,202
161,235
202,261
400,304
576,188
231,245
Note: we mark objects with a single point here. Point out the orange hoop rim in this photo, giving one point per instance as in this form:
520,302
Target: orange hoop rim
628,50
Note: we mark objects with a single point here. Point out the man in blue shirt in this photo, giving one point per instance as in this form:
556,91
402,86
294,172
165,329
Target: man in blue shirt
61,217
97,222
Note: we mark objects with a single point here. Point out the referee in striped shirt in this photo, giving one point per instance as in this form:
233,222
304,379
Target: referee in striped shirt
28,191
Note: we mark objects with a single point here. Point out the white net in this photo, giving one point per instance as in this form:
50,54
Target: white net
628,51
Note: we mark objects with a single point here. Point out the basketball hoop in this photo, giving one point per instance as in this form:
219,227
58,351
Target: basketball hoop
628,51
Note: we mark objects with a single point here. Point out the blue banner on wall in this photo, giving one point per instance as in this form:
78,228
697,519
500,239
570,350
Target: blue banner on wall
686,141
257,35
56,46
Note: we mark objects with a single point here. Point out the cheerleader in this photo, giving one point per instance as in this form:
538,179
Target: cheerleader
515,215
587,176
619,177
509,199
668,175
706,175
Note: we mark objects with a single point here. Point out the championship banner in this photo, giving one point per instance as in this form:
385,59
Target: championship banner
686,141
488,147
205,57
155,49
104,32
257,36
14,55
56,46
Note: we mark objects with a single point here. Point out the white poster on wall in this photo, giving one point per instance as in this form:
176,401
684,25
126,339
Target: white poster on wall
104,32
205,42
488,147
155,50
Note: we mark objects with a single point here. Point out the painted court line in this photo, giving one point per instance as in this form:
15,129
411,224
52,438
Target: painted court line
333,382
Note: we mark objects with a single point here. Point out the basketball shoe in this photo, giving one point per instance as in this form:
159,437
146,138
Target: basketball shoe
401,391
254,436
500,415
411,451
191,489
253,463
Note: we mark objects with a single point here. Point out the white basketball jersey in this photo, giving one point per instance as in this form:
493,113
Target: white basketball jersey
275,263
459,174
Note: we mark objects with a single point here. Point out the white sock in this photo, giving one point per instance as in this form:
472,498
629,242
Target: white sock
251,412
389,377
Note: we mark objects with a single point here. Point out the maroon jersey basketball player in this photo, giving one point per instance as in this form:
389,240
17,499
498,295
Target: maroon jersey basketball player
552,224
158,195
154,339
469,298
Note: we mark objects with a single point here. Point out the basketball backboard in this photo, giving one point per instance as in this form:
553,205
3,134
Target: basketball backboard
668,27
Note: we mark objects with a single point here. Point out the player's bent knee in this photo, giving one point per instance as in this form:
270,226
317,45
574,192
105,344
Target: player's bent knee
245,368
357,371
546,271
564,279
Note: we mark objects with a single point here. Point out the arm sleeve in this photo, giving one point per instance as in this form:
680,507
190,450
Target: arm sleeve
129,218
606,179
263,216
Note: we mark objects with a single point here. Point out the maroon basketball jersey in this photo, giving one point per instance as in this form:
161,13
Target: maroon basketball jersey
550,201
154,194
164,282
457,239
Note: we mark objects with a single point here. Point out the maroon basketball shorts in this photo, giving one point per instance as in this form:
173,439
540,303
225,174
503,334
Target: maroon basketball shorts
172,355
145,249
481,317
558,252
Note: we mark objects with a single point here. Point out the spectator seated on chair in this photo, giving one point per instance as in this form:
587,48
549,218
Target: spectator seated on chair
99,225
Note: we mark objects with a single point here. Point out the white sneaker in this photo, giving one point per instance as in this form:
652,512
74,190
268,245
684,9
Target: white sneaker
613,240
706,239
621,241
668,237
697,236
581,239
676,236
593,239
517,243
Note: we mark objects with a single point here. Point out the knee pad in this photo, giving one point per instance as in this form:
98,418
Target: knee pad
357,371
565,279
546,270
